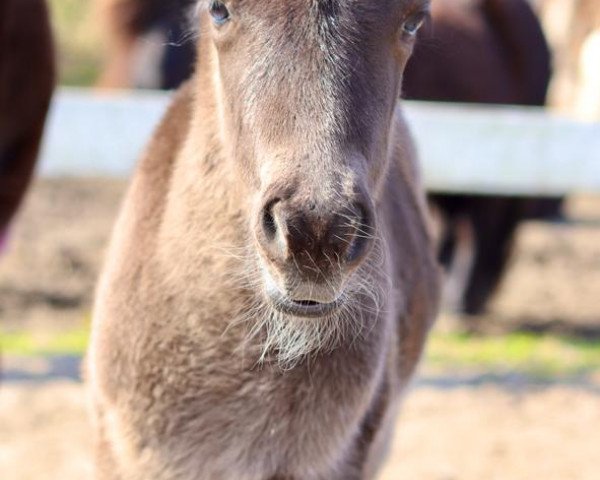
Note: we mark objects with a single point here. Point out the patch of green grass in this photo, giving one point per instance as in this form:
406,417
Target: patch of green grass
71,342
539,355
78,41
535,355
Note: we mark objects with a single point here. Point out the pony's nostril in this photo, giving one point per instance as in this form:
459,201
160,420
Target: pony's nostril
357,247
268,222
361,236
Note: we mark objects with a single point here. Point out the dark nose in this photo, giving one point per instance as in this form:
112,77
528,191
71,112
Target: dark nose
315,237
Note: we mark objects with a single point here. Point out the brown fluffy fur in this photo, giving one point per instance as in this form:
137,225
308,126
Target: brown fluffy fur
183,380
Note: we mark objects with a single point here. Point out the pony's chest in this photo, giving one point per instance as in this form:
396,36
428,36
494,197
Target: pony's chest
234,427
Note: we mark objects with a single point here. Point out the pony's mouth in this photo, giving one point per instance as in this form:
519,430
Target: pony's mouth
302,308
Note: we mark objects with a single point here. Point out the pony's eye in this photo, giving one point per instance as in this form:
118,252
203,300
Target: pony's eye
219,12
414,23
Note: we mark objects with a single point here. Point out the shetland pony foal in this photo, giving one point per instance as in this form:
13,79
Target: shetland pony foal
270,282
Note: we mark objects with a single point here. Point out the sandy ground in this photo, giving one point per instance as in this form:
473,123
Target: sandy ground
55,250
487,432
453,427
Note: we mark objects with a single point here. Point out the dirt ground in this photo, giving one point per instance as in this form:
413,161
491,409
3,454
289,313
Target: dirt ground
453,427
487,432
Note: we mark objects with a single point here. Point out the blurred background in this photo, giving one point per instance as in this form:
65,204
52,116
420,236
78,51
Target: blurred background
510,386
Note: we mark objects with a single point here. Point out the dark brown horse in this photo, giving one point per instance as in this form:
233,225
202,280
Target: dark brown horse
271,280
26,84
482,51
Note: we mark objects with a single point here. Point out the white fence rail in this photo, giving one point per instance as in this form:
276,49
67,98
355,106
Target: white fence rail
500,150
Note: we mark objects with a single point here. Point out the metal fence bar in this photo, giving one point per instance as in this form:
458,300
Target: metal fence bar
96,133
476,149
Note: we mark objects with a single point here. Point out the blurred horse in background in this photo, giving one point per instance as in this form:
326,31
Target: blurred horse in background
481,51
27,76
149,43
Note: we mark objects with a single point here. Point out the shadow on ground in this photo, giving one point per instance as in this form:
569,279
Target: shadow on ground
39,370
